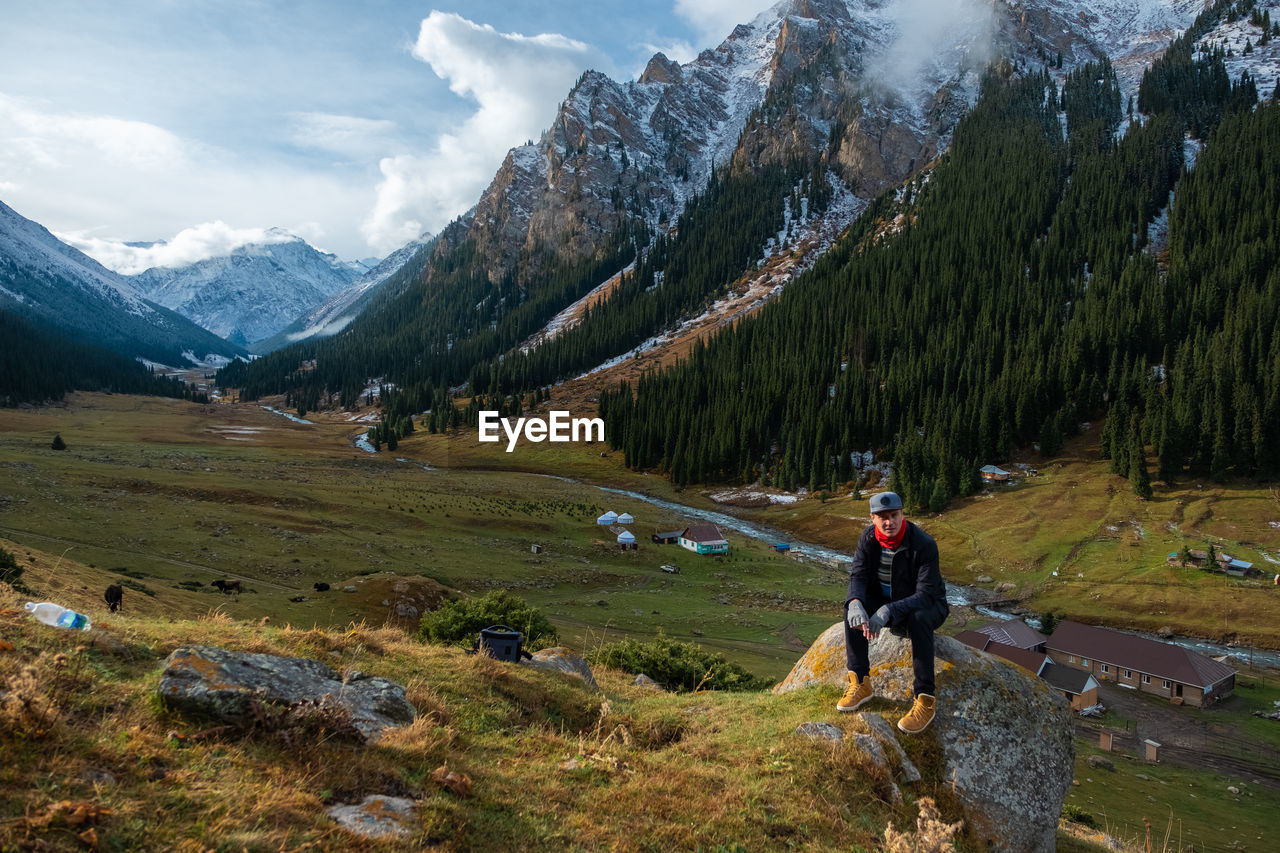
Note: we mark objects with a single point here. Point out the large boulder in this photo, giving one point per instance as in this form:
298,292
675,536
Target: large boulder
229,687
1006,735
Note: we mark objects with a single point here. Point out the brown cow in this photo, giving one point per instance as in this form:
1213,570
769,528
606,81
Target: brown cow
226,586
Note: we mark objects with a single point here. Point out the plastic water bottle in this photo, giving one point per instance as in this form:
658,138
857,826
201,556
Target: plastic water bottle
58,616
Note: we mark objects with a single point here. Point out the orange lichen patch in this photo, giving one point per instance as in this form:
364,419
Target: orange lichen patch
6,646
208,671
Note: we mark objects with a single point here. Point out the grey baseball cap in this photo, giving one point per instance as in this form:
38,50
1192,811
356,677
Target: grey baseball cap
885,502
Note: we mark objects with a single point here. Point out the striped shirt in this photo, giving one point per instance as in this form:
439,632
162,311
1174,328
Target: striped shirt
885,570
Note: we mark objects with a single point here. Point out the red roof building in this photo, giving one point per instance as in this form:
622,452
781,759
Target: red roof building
1139,663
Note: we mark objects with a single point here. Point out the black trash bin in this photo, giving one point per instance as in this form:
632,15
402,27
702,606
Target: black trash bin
500,642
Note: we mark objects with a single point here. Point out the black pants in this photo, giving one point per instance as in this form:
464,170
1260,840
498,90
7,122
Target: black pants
919,625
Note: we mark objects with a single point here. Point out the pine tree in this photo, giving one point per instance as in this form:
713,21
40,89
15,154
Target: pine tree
58,443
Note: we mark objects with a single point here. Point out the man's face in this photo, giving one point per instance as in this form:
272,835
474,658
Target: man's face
888,523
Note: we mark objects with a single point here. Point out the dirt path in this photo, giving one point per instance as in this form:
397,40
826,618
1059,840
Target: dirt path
1185,737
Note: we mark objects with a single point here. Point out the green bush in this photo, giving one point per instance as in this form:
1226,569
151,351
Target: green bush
10,571
676,665
1075,814
460,622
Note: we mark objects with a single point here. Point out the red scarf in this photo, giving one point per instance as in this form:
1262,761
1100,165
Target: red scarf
893,543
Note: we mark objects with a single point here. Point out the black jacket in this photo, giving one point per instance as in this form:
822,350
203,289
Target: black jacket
917,581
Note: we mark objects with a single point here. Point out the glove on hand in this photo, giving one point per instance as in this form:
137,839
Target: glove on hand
857,614
878,619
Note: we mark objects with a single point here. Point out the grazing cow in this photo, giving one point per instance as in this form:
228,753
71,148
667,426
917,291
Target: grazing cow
226,586
321,586
114,596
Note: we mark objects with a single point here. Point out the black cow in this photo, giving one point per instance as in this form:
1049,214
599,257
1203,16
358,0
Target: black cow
227,587
114,597
321,586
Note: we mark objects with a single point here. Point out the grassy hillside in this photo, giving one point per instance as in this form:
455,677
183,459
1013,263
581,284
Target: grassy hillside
552,766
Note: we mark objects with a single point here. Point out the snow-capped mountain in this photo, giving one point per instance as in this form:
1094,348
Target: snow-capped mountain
878,84
253,292
335,313
48,281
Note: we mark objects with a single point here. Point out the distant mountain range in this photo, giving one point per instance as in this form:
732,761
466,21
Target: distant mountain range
253,292
60,288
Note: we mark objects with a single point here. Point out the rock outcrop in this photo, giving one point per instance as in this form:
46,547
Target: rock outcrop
561,659
1006,735
231,687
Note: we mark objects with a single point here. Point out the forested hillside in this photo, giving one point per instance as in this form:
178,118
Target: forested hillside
1016,299
38,365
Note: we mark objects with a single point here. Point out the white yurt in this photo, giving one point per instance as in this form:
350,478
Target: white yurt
609,517
626,518
626,539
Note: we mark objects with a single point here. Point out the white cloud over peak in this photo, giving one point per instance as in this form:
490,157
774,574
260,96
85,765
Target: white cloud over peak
207,240
516,82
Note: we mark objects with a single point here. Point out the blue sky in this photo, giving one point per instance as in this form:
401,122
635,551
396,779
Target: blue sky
355,125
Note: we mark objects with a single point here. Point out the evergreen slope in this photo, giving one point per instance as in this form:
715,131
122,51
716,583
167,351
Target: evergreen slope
1015,300
39,364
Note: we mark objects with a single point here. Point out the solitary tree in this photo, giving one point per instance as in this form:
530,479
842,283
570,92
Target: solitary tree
58,443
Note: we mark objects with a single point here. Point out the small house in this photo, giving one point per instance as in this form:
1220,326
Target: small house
666,537
609,517
1032,661
993,474
626,518
1079,688
627,540
1016,633
704,539
1198,558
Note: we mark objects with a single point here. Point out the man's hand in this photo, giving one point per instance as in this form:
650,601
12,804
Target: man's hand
856,614
876,623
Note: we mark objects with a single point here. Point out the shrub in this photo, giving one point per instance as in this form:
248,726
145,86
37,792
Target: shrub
676,665
1075,814
58,443
460,622
10,571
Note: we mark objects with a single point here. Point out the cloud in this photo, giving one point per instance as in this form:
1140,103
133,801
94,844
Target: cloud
48,138
516,82
933,35
208,240
714,20
347,136
101,180
678,51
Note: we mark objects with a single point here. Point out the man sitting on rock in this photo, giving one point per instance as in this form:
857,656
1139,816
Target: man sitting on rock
895,577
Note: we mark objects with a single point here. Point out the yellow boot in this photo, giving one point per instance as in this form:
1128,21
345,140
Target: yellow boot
920,715
856,694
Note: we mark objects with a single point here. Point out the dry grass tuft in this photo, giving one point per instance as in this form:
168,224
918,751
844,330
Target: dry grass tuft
933,835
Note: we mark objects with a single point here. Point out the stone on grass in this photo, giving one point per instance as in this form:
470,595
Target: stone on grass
1099,762
562,659
376,816
643,680
998,725
880,728
821,731
229,687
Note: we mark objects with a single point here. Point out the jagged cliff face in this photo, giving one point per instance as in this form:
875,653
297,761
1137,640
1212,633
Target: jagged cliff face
872,87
